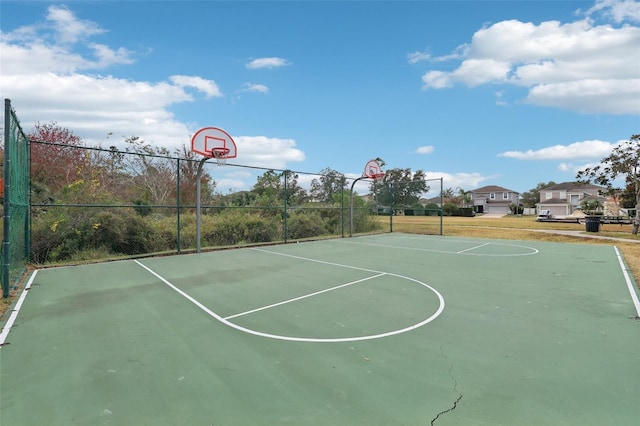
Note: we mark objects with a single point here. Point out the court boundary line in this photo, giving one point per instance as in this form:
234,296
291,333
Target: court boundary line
225,321
462,252
14,314
627,278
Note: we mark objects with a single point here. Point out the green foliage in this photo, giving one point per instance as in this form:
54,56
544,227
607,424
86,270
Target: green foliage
402,188
449,209
532,197
72,222
432,209
64,232
623,162
516,208
142,207
592,206
330,184
234,227
305,225
120,232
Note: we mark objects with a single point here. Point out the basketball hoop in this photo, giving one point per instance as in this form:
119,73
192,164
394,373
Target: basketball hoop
372,170
378,177
212,142
220,154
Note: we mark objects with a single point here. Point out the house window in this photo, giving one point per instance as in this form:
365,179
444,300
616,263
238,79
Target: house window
492,196
549,195
505,195
575,200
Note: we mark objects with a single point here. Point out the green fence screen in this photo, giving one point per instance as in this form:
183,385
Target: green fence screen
16,201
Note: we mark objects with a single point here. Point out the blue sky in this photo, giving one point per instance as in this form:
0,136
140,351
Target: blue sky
508,93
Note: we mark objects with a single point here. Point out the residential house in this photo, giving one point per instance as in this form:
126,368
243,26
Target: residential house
564,199
494,199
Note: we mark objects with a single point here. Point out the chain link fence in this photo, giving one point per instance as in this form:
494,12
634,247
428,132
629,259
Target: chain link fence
92,203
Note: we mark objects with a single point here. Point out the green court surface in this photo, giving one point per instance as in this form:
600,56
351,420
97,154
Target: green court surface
391,329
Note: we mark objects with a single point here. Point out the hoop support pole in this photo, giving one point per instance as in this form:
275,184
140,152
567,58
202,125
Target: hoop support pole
199,201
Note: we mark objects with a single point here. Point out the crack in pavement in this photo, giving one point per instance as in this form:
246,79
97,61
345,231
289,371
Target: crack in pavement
455,388
455,404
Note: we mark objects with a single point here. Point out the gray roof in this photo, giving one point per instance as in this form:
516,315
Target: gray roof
573,186
493,188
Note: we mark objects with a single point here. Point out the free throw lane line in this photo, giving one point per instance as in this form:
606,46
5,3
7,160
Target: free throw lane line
303,297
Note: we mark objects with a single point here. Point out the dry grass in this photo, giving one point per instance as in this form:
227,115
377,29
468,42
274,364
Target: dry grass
524,228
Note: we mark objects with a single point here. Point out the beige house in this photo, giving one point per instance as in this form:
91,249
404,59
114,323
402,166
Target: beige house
494,199
564,199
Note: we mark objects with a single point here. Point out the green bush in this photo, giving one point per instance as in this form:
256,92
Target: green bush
122,232
303,224
238,226
60,234
78,233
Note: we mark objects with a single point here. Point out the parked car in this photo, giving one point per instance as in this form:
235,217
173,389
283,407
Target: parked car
544,215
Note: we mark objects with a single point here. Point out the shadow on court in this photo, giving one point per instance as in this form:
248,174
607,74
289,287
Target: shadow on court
390,329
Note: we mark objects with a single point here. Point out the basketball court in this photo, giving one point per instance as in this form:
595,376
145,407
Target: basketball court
391,329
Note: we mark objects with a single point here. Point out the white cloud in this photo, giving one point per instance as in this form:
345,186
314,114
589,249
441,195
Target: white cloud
578,66
577,150
272,62
415,57
428,149
254,88
466,181
618,11
208,87
566,167
459,53
262,151
68,28
41,67
590,96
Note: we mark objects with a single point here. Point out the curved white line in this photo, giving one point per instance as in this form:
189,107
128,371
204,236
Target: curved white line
533,250
308,339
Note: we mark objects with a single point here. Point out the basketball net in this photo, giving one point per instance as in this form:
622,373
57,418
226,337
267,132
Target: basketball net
220,154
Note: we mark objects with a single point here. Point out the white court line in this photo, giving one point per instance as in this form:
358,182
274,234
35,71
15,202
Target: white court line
14,313
320,261
303,297
223,320
627,278
533,250
472,248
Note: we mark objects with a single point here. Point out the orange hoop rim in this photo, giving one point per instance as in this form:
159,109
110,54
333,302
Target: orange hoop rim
377,176
220,152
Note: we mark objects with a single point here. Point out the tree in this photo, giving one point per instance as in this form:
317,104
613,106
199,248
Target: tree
189,178
447,193
532,197
623,162
153,172
464,197
403,187
56,160
591,206
274,189
293,193
330,183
